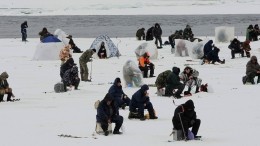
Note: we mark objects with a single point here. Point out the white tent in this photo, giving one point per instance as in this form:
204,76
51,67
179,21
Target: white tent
111,49
132,74
149,47
61,35
48,51
224,34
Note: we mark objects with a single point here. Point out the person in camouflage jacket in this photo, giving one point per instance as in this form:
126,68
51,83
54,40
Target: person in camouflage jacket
161,80
83,59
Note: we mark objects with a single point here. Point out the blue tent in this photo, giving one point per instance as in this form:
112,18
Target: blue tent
50,39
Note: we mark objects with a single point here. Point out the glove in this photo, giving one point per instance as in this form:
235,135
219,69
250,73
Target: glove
192,122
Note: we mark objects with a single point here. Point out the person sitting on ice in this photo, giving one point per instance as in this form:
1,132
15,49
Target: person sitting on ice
107,112
184,118
252,70
235,47
207,48
213,57
102,52
73,45
117,92
161,82
246,48
189,76
140,101
44,33
4,88
68,64
145,65
173,82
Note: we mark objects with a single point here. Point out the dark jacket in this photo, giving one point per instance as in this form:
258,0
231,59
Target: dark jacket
71,77
139,96
101,50
140,33
187,33
115,90
208,47
23,27
149,34
3,82
173,80
67,65
106,112
213,55
252,67
186,113
235,45
157,31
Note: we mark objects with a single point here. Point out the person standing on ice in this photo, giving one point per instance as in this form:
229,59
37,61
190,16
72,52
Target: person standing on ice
24,26
157,32
184,118
107,112
83,60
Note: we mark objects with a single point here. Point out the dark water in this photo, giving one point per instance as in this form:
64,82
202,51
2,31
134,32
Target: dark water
123,25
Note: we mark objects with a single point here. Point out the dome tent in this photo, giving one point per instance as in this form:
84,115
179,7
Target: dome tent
61,35
111,49
48,49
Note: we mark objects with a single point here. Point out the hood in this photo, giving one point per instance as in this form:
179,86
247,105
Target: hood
108,97
4,75
176,70
189,104
144,88
253,58
117,80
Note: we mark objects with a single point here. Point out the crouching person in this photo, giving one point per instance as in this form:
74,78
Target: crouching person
4,88
140,101
107,112
184,118
71,78
189,76
161,82
252,70
173,82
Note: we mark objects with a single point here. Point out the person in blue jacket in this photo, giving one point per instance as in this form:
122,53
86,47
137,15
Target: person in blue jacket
140,101
107,112
117,92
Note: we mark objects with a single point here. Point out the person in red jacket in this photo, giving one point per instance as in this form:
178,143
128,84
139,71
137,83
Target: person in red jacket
145,65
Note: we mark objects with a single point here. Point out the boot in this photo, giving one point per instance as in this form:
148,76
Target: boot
141,117
258,80
2,98
197,89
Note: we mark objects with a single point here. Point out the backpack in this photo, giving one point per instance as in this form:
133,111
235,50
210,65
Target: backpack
59,87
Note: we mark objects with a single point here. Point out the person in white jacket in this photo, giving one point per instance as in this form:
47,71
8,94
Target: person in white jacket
189,76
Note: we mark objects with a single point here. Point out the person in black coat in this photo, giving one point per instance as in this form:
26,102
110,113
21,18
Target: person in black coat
185,117
118,94
149,34
65,66
107,112
207,48
102,53
157,32
71,78
140,101
23,31
235,47
173,82
140,34
73,45
213,57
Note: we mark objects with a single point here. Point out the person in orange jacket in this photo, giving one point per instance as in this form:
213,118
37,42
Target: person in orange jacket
145,65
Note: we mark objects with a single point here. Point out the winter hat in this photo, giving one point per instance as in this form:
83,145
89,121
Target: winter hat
176,70
189,104
108,97
4,75
117,80
94,50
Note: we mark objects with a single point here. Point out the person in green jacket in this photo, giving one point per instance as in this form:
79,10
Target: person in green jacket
83,60
173,82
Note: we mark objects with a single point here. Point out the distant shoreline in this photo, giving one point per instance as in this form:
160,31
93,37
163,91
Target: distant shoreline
91,26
